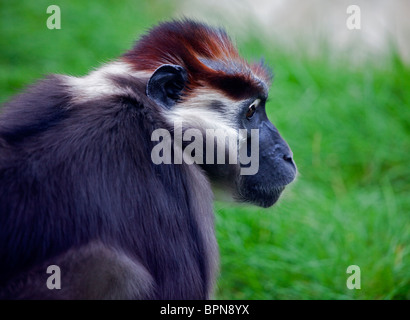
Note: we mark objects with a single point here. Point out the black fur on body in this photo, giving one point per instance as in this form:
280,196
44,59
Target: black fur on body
77,177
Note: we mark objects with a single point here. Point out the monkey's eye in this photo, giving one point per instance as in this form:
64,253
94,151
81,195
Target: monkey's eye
252,109
250,112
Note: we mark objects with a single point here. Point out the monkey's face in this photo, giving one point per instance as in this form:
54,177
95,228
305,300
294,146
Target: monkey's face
239,148
275,164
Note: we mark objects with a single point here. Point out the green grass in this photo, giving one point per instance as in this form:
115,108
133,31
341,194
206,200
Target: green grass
349,129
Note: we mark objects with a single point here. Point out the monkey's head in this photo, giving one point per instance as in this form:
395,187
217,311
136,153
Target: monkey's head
198,78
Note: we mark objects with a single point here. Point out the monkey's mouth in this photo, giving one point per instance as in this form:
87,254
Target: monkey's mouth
259,195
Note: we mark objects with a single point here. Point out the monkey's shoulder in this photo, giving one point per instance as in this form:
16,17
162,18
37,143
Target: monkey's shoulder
60,100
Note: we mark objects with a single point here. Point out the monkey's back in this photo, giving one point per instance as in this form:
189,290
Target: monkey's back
76,172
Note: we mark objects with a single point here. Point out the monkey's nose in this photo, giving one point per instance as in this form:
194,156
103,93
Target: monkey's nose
288,157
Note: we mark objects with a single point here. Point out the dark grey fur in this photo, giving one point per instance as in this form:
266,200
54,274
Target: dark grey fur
78,189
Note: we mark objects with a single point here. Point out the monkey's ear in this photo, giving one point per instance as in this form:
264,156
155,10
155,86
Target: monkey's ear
166,84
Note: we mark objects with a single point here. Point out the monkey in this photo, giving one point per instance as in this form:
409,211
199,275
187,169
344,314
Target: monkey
79,188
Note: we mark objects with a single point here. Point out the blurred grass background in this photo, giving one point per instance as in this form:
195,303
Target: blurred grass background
348,126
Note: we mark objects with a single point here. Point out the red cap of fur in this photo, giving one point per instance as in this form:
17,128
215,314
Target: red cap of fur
206,53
